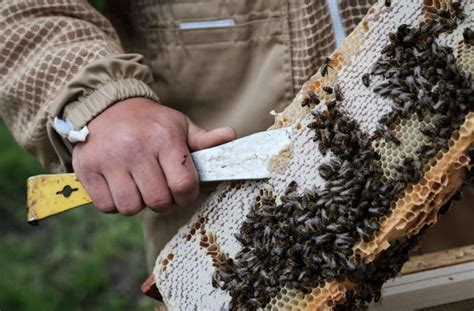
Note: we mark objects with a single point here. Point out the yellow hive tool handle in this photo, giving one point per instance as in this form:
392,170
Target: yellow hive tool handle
48,195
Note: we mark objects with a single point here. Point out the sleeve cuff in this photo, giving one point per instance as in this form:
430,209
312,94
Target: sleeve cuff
85,109
96,87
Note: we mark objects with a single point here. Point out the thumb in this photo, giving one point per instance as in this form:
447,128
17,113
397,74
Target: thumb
199,138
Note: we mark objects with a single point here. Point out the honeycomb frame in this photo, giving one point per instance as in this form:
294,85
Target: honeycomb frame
418,207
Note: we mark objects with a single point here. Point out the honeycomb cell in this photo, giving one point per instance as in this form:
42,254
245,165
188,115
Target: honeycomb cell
463,160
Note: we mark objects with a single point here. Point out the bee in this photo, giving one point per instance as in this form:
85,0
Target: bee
443,14
326,65
314,225
364,235
372,224
389,118
425,29
403,29
338,93
328,273
399,168
445,132
317,136
442,121
398,186
366,79
335,227
378,133
428,131
377,69
326,171
458,11
437,28
345,127
331,104
449,24
374,210
305,102
241,239
328,89
267,233
411,170
383,87
316,125
377,296
215,280
334,114
343,239
324,239
426,152
311,99
389,136
393,37
468,35
301,276
386,49
418,165
291,187
329,259
252,303
381,131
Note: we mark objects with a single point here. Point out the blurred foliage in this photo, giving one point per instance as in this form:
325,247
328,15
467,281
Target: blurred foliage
99,5
80,260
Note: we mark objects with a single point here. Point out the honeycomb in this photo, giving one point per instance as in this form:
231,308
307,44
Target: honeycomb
215,261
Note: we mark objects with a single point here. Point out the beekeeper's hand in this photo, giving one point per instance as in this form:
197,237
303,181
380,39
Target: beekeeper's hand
138,154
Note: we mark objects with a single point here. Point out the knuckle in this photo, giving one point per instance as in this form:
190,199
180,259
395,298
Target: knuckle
104,206
167,137
102,202
89,181
170,135
124,152
129,210
130,141
129,207
83,164
184,185
160,204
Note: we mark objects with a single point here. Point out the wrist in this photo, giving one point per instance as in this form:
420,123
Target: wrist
82,111
73,124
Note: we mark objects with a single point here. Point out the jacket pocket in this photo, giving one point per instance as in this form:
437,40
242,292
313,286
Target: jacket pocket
222,75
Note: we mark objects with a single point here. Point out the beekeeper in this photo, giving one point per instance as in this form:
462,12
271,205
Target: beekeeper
123,100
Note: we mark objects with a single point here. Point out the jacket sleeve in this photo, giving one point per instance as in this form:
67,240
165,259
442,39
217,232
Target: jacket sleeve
60,58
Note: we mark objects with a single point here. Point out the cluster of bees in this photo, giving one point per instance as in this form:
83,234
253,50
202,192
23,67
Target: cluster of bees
422,77
303,240
374,274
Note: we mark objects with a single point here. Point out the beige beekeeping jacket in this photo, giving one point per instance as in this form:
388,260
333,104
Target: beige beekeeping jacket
62,58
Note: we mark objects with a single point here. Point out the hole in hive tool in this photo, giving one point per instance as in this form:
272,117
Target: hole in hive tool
67,191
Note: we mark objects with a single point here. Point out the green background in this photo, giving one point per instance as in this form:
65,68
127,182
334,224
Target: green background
80,260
